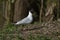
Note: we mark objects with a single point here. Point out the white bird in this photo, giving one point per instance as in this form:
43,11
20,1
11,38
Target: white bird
26,20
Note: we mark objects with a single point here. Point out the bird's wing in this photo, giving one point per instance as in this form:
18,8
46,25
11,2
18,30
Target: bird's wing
26,20
23,21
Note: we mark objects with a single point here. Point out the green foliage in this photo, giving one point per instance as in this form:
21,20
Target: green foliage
50,1
8,29
1,0
38,37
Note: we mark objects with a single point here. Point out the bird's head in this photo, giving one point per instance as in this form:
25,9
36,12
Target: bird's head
30,14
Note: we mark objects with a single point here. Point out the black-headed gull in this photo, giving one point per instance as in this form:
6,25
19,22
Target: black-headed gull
26,20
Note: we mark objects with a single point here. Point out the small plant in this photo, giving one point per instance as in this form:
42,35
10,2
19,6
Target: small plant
38,37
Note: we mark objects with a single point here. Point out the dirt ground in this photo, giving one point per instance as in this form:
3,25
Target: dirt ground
36,31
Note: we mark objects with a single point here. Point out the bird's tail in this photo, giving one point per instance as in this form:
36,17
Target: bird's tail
13,23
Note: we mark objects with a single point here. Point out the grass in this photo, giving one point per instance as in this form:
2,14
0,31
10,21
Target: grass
10,29
38,37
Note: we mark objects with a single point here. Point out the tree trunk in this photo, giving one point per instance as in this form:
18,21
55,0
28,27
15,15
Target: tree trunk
20,10
2,19
41,11
7,11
